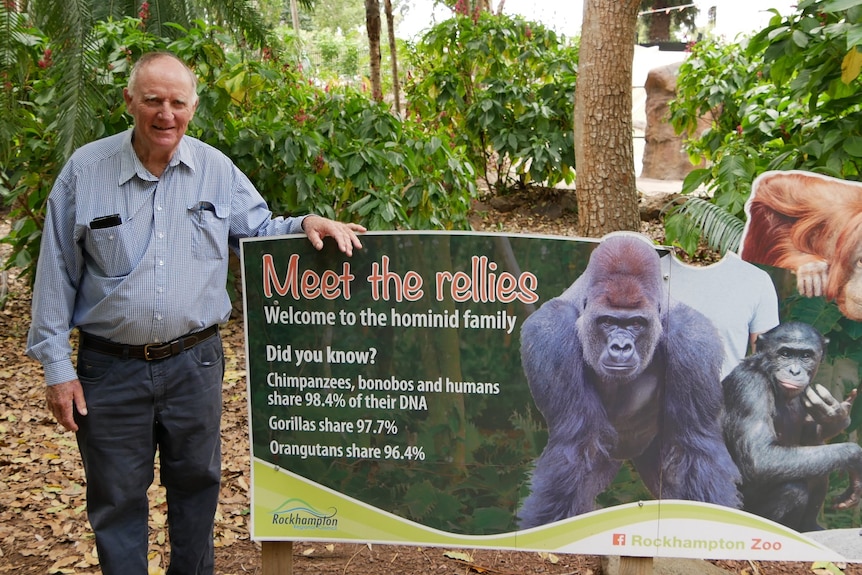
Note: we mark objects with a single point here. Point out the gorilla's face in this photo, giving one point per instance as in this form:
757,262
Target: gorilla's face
619,343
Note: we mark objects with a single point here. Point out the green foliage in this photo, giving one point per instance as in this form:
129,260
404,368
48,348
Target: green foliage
329,56
787,98
332,151
29,150
721,230
502,87
159,17
749,128
336,16
307,149
72,28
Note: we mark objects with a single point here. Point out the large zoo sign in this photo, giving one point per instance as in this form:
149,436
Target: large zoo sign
537,393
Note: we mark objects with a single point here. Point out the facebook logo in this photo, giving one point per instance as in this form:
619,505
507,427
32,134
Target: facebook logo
619,538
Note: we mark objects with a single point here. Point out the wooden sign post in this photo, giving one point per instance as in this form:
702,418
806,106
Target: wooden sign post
276,557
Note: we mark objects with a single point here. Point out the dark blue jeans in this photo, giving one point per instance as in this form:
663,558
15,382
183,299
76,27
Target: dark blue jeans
136,407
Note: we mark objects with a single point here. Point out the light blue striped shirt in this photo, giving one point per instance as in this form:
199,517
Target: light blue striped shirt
162,272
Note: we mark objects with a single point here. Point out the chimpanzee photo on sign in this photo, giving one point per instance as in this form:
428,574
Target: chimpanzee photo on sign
776,423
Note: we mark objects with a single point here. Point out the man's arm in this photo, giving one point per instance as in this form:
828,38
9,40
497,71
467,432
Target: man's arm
54,293
55,289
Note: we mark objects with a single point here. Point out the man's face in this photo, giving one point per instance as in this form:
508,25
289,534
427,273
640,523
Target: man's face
162,105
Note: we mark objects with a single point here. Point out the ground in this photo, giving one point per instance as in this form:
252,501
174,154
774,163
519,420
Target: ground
43,526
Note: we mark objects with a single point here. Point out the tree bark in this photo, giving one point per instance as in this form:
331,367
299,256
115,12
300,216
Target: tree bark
390,25
604,151
372,26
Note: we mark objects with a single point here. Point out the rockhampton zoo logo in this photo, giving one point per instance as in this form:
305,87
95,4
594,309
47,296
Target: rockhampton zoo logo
672,542
300,515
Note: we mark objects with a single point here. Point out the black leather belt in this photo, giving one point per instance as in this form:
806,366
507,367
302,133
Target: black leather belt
150,351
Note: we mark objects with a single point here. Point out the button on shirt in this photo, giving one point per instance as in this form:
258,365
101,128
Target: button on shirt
160,273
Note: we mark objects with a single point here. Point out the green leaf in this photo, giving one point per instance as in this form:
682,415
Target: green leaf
832,6
853,146
854,37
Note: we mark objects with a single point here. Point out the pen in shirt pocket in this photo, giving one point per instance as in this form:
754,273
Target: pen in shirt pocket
202,207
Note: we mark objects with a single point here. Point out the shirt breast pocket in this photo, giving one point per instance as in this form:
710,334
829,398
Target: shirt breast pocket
112,249
210,230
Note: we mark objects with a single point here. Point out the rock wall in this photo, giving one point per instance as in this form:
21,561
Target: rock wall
664,157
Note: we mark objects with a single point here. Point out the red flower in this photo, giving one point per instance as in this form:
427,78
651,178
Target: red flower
46,60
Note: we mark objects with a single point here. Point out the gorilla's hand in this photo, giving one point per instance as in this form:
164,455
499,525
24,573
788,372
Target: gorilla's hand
831,414
811,278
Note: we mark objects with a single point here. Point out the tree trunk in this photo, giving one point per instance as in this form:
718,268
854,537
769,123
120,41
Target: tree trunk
604,152
294,17
390,25
659,22
372,25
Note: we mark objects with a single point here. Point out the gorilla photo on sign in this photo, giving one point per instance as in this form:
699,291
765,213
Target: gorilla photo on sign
776,424
622,372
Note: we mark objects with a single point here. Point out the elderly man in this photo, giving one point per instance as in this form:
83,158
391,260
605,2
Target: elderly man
135,256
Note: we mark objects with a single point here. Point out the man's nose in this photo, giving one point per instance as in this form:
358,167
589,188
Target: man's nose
165,110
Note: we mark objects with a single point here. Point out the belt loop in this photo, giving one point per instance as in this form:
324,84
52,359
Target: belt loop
125,355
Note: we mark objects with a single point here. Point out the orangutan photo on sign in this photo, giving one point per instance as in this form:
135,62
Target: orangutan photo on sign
812,225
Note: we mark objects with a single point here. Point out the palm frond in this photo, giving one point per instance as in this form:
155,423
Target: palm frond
116,9
15,38
720,229
243,16
80,100
161,12
70,26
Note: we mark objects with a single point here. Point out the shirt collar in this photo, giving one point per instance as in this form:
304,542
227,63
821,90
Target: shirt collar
132,166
